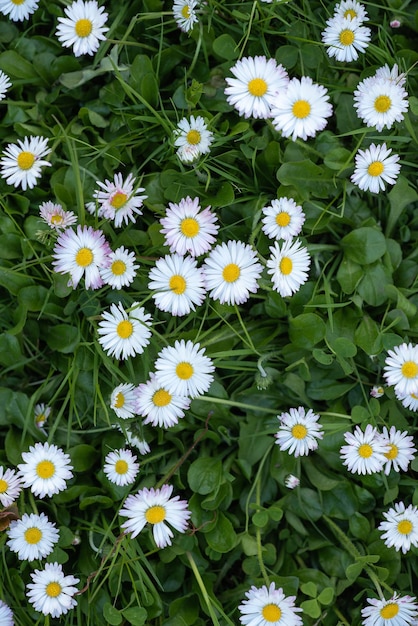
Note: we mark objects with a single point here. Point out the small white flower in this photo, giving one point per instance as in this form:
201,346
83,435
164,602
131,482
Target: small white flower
158,406
120,467
21,163
365,451
401,368
377,391
18,10
42,412
374,167
187,229
265,606
140,444
392,75
193,134
345,38
32,537
298,431
292,481
51,592
5,83
45,470
351,9
380,102
6,615
401,449
401,527
122,269
10,486
409,401
289,266
55,216
184,369
124,333
83,27
184,12
283,219
397,611
118,200
122,400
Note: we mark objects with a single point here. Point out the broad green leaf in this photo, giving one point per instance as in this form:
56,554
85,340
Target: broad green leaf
15,66
349,274
112,615
306,176
222,538
311,608
364,245
137,616
225,47
205,475
63,338
306,330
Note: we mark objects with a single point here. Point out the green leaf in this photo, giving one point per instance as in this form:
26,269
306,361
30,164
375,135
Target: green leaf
136,616
222,538
337,159
112,615
311,608
326,596
10,247
225,47
353,571
83,457
10,353
399,196
368,337
306,176
63,338
16,66
359,526
101,502
306,330
349,274
309,589
205,475
364,245
260,519
34,297
373,286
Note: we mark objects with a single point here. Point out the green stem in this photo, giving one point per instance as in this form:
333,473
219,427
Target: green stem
202,587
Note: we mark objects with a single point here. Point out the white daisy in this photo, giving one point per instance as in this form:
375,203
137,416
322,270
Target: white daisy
45,470
55,216
21,164
401,449
18,10
193,134
177,283
83,27
301,110
256,83
345,38
140,444
118,200
380,102
289,266
184,369
409,401
397,611
6,615
158,406
82,253
401,368
124,333
351,9
51,592
364,452
377,391
184,12
32,537
292,481
401,527
42,412
5,83
231,272
391,75
156,507
122,269
374,167
120,467
10,486
187,229
298,431
122,400
283,219
269,606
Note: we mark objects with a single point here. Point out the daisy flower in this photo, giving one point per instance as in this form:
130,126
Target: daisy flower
51,592
374,167
193,134
6,614
55,216
187,229
177,283
409,401
122,400
401,368
392,75
83,27
289,266
10,486
256,83
184,369
283,219
298,431
140,444
32,537
81,253
118,200
364,452
292,481
124,333
45,470
21,163
18,10
397,611
122,269
401,449
42,412
269,605
377,391
185,14
5,83
380,102
351,9
158,406
156,507
120,467
345,38
231,272
401,527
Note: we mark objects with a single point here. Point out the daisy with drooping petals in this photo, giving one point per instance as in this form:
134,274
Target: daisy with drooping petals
283,219
409,401
374,167
298,431
6,614
380,102
256,83
397,611
10,486
21,164
122,269
82,253
184,12
45,470
140,444
158,406
401,449
351,9
231,272
124,333
32,537
18,10
289,266
392,75
5,83
55,216
83,27
269,606
345,38
365,451
401,527
118,200
292,481
401,368
184,369
377,391
51,592
120,467
122,400
42,412
155,507
192,138
187,229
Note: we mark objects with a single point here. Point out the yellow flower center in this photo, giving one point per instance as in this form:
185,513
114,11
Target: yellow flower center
155,514
282,219
271,613
84,257
177,284
231,273
413,395
121,467
83,27
350,13
365,451
25,160
301,109
33,535
53,590
118,200
3,485
45,469
389,611
376,168
189,227
382,104
299,431
393,452
18,2
286,265
185,12
118,268
409,369
257,87
184,370
405,527
124,329
193,137
347,37
57,219
119,400
161,397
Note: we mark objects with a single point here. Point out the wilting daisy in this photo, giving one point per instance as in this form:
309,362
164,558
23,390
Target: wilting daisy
345,38
45,470
18,10
5,83
401,449
397,611
82,253
302,109
155,507
283,219
157,405
83,27
380,102
184,369
377,391
269,606
188,229
288,266
21,163
401,527
32,537
298,431
292,481
141,445
122,269
401,368
10,486
124,333
118,200
41,413
55,216
374,167
120,467
184,12
351,9
409,401
51,592
231,272
6,615
122,400
365,451
256,82
193,134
